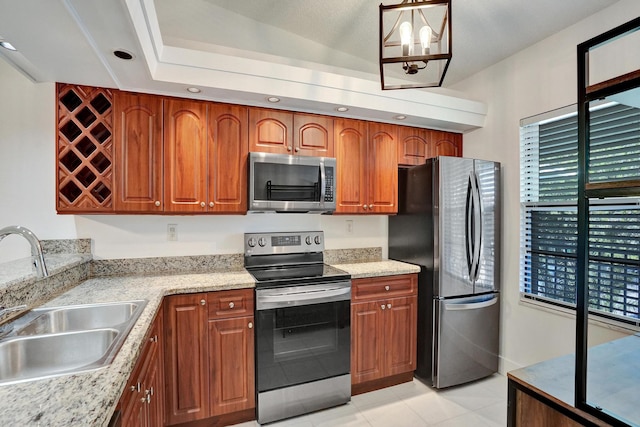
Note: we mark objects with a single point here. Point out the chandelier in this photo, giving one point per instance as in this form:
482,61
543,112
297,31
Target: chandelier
415,43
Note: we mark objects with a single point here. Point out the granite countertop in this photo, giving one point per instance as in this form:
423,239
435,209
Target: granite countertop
89,399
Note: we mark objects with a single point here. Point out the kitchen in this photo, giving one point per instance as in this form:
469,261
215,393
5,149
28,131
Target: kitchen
510,89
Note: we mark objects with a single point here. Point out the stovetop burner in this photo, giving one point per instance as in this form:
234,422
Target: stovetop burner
286,259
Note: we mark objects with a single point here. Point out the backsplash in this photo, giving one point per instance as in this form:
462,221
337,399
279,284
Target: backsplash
167,265
66,246
347,256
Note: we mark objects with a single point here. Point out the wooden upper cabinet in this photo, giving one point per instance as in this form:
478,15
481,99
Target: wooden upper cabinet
185,157
313,135
273,131
446,143
413,146
351,157
227,159
138,152
383,168
367,167
270,131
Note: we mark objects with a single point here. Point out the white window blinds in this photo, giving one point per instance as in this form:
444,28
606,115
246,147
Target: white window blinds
548,195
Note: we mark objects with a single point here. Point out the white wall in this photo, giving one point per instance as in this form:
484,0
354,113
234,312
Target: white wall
27,194
538,79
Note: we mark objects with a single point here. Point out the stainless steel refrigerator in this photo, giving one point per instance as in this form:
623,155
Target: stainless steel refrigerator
448,223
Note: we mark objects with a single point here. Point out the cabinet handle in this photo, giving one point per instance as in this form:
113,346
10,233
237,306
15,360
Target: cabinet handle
365,206
389,306
387,287
203,302
288,148
151,390
132,388
157,203
211,204
250,325
143,400
297,149
383,306
154,338
370,207
202,204
231,304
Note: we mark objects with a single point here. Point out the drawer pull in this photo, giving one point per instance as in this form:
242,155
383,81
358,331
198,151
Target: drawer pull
250,325
383,306
387,287
389,306
231,304
203,302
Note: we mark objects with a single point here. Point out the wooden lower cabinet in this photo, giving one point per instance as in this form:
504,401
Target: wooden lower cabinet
383,331
142,403
209,369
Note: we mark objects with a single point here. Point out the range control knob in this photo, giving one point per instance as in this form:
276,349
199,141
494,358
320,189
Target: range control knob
308,240
262,241
317,240
252,242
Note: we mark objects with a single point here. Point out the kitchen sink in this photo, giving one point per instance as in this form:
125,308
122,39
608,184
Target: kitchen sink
43,356
53,341
78,318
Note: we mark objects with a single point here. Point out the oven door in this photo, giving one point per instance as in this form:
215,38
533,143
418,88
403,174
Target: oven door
303,334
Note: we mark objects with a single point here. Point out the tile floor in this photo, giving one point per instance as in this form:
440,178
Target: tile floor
479,404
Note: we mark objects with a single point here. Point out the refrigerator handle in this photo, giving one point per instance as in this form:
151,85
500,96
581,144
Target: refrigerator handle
468,229
477,216
471,306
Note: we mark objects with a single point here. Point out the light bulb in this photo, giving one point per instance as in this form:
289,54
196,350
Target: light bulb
405,38
425,39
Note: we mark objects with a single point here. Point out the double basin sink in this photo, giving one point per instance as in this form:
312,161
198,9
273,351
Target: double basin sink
55,341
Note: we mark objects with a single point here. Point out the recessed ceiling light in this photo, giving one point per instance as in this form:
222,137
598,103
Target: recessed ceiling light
194,89
7,45
273,99
342,109
400,117
123,54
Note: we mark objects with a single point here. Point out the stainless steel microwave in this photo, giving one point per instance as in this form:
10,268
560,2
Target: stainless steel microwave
285,183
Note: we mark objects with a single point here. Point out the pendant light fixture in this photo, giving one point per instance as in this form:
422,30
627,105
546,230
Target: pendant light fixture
415,43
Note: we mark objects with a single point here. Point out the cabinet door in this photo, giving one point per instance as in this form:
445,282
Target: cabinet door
270,131
367,346
383,169
313,135
413,146
154,375
138,152
186,368
401,317
231,358
228,148
446,144
351,154
185,156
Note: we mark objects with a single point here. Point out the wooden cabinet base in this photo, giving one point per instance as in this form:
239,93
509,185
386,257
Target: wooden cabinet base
223,420
381,383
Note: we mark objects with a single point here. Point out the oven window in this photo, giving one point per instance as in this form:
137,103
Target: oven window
296,345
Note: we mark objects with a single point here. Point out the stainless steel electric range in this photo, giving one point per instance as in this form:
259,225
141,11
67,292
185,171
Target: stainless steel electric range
303,325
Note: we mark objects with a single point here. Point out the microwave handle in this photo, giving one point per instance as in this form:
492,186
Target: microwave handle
323,182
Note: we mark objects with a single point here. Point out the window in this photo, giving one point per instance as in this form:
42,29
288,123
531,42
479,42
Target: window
548,196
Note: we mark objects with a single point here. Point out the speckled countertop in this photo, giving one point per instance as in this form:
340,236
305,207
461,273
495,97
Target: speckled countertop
89,399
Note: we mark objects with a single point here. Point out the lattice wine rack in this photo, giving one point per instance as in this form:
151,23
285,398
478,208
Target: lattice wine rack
84,148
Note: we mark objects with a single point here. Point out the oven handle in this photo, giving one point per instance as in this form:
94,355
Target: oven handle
287,299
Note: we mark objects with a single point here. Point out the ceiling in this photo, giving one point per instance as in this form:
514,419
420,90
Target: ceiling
314,55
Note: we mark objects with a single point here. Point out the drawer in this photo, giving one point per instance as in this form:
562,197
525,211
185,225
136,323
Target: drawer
224,304
384,287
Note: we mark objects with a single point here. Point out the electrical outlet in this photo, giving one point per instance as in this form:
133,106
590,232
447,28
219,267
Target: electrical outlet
349,226
172,232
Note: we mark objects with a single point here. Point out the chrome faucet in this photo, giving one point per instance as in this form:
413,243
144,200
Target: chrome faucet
36,247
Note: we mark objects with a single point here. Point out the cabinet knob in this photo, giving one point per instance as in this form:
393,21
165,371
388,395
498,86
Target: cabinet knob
132,388
387,287
211,204
143,400
250,325
389,306
365,207
383,306
157,203
297,149
370,207
231,305
154,338
202,204
288,148
203,302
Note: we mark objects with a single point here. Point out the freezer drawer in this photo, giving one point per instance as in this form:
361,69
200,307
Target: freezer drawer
465,346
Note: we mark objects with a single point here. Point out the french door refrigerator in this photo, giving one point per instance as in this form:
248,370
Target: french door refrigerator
448,223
